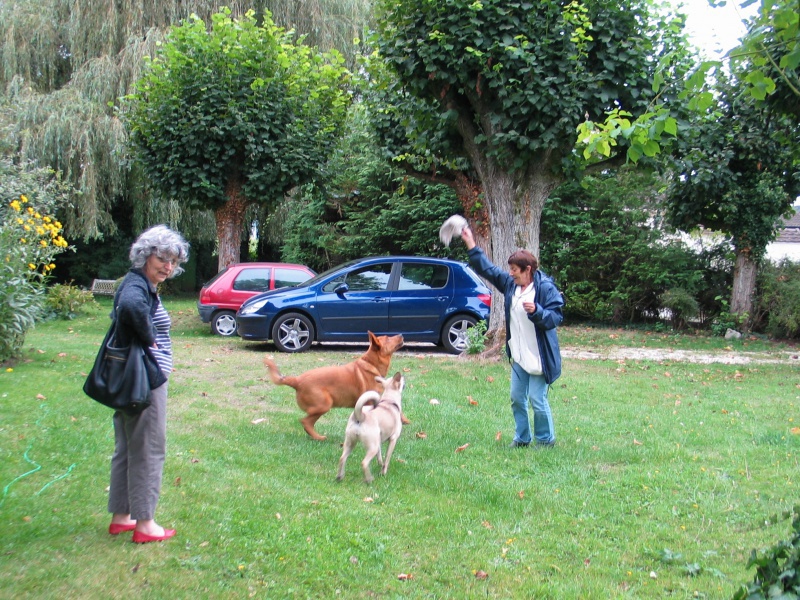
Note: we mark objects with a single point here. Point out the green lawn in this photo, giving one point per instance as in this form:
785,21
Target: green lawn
659,484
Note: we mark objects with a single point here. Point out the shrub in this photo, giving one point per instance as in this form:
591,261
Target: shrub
28,243
777,310
681,305
476,338
66,301
777,569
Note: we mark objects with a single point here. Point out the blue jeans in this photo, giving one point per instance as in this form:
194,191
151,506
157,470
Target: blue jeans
526,388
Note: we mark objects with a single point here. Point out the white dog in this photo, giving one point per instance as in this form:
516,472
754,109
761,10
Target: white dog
374,424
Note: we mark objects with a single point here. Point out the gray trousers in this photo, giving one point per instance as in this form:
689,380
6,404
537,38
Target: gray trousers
138,461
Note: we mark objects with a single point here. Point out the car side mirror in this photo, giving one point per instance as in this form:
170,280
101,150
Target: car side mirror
341,289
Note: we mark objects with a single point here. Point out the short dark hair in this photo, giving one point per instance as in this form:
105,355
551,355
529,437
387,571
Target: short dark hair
524,259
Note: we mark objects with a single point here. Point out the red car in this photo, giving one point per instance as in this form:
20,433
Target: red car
221,297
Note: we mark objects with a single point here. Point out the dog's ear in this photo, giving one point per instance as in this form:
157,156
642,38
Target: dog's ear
397,377
373,340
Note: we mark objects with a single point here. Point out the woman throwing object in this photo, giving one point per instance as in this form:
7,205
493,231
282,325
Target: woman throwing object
533,311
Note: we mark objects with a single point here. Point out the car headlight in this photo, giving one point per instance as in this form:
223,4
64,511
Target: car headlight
249,309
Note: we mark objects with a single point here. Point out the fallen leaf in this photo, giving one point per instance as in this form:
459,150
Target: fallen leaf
462,448
422,435
795,430
586,561
368,499
40,397
204,544
278,516
405,576
490,379
26,519
195,460
135,568
498,435
177,481
487,525
257,421
472,400
653,575
62,354
434,401
73,419
637,442
521,494
40,351
354,560
481,575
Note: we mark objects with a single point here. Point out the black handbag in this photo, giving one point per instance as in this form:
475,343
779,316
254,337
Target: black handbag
119,378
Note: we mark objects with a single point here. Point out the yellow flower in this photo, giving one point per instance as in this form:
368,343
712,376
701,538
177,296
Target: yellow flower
43,243
23,241
23,198
15,205
19,221
26,227
47,219
31,266
9,370
52,266
30,210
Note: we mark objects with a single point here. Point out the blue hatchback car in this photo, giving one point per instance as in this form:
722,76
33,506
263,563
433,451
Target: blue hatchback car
426,299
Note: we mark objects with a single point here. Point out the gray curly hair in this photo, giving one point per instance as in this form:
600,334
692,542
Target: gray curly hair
162,241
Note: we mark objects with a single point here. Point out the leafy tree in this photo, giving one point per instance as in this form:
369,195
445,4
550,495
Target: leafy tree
235,115
65,64
513,79
366,207
736,174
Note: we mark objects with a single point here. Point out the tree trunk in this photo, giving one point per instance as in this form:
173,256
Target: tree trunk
230,224
744,286
515,202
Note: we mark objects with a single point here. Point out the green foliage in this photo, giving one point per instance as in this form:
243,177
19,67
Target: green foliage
367,208
529,75
29,241
778,568
735,171
476,338
777,309
67,301
681,304
772,49
603,244
237,106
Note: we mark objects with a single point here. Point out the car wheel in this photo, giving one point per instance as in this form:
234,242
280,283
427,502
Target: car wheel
293,332
224,323
454,333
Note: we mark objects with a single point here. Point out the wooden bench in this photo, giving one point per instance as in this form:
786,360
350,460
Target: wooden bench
103,287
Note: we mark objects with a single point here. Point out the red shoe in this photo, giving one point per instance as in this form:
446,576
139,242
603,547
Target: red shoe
117,528
143,538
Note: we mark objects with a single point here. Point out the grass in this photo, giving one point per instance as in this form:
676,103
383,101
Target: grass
662,477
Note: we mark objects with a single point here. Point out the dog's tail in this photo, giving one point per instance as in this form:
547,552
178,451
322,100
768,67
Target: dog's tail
370,397
275,374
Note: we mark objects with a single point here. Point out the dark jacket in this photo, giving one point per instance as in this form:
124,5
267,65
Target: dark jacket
135,303
546,318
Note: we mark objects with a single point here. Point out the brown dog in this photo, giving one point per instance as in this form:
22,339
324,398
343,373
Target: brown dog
319,390
374,425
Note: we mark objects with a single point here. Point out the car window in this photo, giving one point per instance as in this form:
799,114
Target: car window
373,278
252,280
289,277
416,276
217,276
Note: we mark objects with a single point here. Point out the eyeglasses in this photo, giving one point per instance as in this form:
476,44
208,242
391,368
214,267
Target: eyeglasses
167,261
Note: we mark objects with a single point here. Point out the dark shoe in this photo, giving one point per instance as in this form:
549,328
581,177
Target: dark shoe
143,538
117,528
516,444
544,446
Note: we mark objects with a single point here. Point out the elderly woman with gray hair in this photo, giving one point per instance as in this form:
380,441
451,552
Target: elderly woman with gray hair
140,439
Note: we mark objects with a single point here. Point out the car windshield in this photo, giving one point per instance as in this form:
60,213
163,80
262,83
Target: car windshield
325,274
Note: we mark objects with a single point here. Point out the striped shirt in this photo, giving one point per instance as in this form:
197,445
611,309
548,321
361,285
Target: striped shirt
163,352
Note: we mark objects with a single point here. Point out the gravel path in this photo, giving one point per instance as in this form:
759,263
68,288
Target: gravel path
662,354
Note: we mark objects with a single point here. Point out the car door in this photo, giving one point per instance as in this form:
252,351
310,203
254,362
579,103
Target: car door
363,307
249,282
418,305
